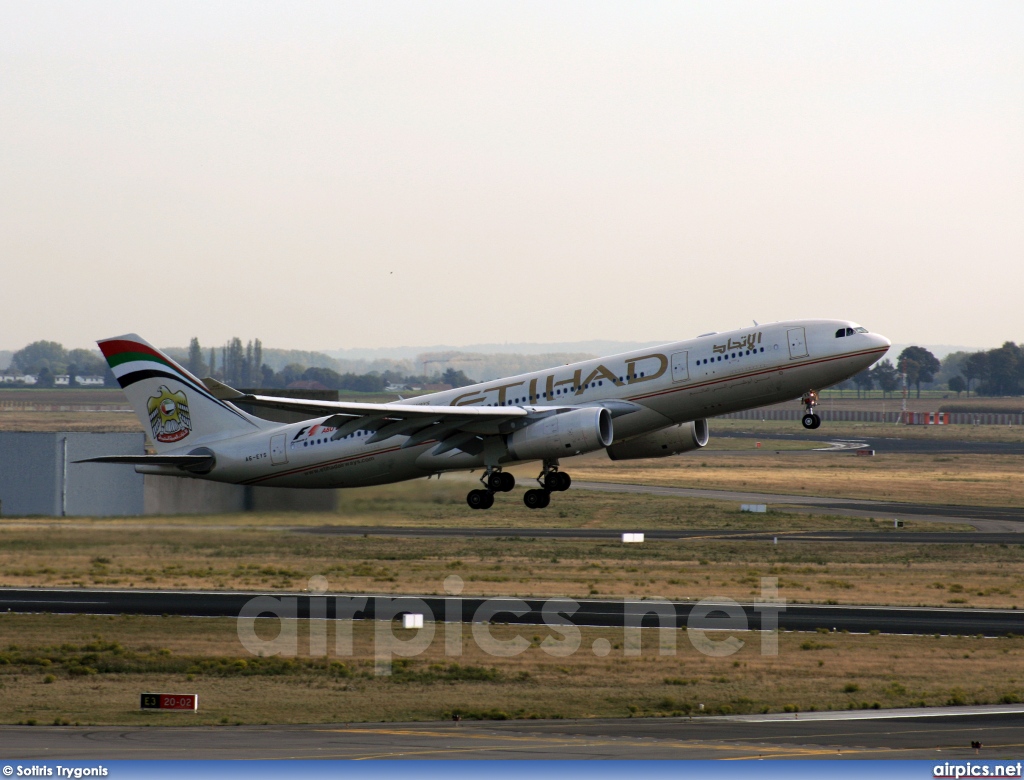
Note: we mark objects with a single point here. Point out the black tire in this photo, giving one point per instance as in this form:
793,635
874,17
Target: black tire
494,481
534,499
475,499
817,421
808,421
545,497
507,482
550,480
488,499
562,481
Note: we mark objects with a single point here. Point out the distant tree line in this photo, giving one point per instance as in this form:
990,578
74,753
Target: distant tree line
47,360
237,364
993,372
243,367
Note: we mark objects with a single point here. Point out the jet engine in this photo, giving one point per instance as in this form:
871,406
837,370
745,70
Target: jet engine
667,441
562,435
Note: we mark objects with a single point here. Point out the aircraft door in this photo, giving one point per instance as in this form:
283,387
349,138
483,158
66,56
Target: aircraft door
797,343
278,450
680,367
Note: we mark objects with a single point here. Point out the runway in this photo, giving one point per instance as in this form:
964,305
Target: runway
936,734
769,536
709,614
879,444
983,518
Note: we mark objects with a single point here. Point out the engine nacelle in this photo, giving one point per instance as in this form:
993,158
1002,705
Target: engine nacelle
667,441
562,435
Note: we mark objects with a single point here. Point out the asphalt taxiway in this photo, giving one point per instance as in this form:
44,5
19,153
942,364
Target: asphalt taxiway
708,614
778,537
907,446
936,734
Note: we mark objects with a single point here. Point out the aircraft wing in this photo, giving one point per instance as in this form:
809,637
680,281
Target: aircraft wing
455,427
389,411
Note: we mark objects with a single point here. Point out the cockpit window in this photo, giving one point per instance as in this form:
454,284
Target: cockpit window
861,330
840,333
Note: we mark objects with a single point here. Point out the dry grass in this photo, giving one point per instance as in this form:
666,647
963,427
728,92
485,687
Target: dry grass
91,670
69,421
986,480
209,555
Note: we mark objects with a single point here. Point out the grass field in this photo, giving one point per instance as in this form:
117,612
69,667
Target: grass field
984,480
255,551
91,670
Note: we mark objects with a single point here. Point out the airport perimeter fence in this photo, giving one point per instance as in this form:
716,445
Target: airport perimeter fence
31,406
917,418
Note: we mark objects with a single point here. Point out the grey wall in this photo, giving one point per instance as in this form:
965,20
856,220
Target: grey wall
39,476
34,480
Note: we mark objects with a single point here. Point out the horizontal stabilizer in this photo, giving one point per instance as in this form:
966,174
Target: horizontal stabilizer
200,464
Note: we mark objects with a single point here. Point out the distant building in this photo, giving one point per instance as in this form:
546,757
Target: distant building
63,380
22,379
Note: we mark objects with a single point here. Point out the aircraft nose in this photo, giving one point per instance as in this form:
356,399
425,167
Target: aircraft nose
881,340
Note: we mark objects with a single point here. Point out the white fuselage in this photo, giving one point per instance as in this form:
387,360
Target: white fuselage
669,384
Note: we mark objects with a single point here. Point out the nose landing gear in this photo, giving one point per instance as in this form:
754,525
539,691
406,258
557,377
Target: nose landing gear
810,419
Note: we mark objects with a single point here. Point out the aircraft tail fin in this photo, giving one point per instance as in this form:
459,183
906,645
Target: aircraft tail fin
173,406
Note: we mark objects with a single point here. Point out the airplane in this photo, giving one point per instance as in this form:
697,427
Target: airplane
647,403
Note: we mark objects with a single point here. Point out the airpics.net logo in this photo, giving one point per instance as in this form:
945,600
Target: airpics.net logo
711,625
976,769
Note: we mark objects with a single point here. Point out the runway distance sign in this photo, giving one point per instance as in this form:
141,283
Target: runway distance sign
169,701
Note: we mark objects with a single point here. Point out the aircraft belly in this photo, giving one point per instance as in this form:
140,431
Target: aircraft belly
349,470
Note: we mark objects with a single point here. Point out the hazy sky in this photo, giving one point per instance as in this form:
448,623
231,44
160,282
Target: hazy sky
378,174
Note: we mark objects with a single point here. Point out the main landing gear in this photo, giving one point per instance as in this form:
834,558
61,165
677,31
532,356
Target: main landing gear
551,480
810,419
495,481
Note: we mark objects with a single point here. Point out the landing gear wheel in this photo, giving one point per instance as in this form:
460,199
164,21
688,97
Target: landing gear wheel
493,481
507,482
480,499
557,481
536,499
810,420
